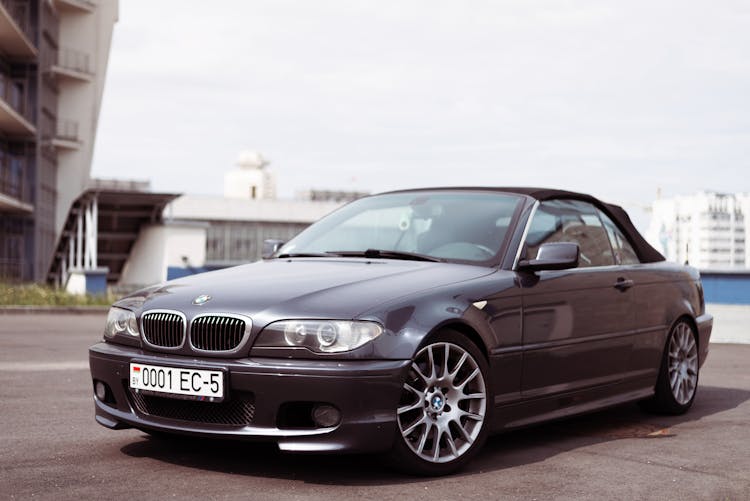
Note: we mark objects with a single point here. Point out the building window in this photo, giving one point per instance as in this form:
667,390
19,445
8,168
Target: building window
231,243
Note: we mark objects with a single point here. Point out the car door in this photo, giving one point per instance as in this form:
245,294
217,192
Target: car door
575,322
648,296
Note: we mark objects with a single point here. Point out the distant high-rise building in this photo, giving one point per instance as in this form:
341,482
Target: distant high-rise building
707,230
53,59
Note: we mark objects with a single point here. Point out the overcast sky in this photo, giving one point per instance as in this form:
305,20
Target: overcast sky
610,97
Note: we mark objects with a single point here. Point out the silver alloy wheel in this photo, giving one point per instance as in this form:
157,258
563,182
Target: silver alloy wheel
683,363
443,403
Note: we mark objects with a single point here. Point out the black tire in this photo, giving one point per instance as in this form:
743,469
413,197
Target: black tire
444,408
666,399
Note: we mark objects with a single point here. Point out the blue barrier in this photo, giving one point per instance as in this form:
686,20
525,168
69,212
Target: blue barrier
174,272
96,281
726,287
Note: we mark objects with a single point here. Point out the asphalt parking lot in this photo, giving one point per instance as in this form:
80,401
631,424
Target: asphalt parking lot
53,449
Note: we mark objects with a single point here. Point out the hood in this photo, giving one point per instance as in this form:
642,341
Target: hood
302,287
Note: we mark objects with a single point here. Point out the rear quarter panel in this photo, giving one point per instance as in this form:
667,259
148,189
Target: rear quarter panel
663,293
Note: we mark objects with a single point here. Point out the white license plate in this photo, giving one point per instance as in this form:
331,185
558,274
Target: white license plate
189,383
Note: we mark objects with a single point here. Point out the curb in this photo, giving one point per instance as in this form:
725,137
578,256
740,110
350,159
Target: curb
58,310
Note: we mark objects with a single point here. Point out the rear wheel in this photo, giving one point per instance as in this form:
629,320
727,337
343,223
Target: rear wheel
444,410
678,377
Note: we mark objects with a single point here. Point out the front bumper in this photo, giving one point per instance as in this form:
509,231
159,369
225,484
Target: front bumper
366,392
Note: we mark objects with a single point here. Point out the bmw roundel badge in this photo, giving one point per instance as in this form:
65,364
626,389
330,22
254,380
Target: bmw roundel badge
201,300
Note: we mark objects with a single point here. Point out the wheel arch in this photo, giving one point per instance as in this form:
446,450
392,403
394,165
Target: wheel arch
664,400
465,330
677,309
693,326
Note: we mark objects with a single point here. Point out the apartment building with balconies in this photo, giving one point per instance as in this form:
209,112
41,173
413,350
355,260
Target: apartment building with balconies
53,61
707,230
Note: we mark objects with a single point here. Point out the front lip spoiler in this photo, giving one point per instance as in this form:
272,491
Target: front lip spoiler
176,427
320,440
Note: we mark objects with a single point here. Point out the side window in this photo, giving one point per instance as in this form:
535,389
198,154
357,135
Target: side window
570,221
624,253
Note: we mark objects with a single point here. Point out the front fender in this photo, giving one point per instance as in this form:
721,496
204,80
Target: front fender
488,310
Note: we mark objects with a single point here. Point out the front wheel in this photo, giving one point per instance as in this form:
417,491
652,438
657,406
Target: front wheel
678,377
445,406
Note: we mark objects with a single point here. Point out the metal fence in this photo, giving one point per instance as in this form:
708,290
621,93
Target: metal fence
10,270
14,92
12,177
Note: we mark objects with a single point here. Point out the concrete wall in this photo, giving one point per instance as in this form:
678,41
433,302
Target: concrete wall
80,101
186,245
160,247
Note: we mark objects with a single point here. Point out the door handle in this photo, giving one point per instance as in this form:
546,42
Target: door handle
623,284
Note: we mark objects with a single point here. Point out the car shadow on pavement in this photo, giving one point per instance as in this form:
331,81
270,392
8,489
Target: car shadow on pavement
502,451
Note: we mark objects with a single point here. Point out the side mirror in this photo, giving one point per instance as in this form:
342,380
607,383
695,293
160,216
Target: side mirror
553,256
270,247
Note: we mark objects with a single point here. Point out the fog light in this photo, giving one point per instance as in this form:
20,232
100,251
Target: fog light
325,415
101,391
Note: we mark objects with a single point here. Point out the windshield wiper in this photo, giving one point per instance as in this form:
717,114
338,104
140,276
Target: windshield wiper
387,254
305,254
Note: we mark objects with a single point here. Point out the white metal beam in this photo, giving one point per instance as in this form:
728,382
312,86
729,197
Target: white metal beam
87,236
79,241
95,240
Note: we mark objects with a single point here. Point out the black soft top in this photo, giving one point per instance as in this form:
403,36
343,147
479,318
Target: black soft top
646,253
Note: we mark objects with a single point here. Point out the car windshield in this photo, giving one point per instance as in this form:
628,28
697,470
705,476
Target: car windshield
450,226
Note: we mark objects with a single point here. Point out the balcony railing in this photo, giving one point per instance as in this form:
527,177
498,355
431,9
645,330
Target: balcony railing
13,182
60,132
74,60
67,130
20,11
13,92
11,270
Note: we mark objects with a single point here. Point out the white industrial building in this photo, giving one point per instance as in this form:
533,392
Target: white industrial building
707,230
197,233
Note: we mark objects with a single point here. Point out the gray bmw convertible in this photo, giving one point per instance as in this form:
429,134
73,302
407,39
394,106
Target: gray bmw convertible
414,324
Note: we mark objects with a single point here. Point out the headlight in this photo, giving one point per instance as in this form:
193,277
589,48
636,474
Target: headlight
121,321
320,336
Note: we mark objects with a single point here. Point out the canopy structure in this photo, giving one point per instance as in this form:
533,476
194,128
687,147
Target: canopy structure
100,231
